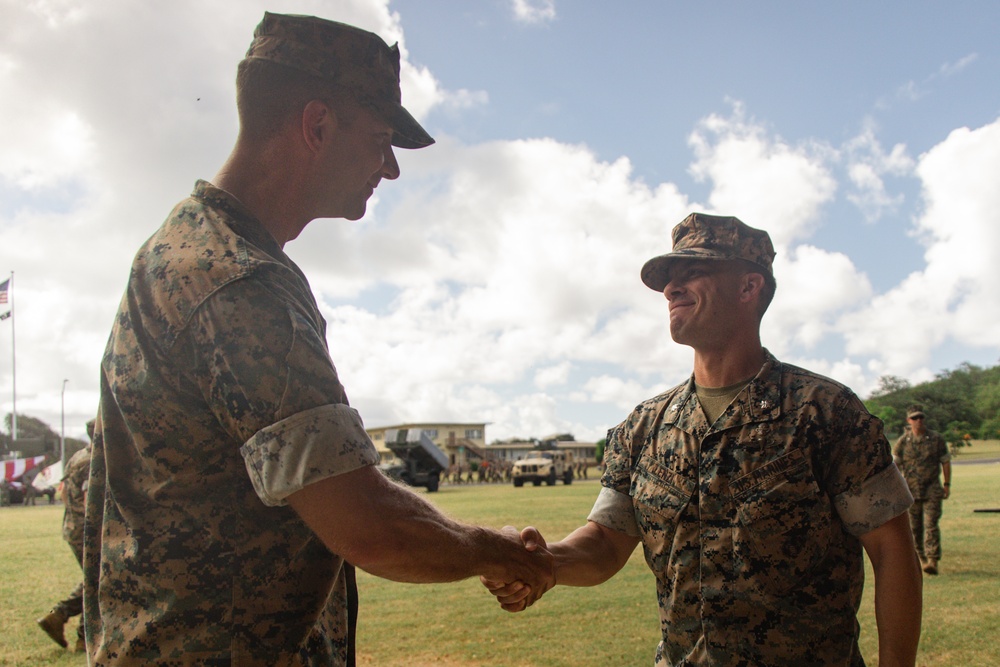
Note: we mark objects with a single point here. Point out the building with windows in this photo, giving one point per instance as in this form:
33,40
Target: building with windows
583,452
462,443
465,443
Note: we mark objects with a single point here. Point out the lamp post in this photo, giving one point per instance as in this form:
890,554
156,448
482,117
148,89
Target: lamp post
62,436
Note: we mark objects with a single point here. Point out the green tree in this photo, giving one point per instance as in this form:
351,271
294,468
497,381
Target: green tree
890,384
967,397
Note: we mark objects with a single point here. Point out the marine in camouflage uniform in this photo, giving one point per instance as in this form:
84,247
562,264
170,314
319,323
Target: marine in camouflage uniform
751,523
753,487
922,455
74,488
230,479
217,365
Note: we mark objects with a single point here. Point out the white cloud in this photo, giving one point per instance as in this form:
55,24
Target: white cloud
534,11
465,99
624,394
763,180
954,296
495,281
950,69
867,164
554,375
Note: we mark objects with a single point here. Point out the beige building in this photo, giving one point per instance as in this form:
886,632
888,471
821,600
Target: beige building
465,443
583,452
462,443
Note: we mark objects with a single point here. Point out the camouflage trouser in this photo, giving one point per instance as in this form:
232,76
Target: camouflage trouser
925,515
73,605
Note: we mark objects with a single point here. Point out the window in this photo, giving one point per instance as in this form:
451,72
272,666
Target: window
431,433
474,433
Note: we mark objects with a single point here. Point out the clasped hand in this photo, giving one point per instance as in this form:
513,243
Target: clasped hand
517,594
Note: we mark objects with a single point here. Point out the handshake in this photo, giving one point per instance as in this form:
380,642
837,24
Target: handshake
527,575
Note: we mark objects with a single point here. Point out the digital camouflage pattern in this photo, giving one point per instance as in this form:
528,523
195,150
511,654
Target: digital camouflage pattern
920,459
751,524
703,236
75,478
346,56
218,400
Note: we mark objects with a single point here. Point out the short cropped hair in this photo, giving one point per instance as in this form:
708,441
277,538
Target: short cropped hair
269,94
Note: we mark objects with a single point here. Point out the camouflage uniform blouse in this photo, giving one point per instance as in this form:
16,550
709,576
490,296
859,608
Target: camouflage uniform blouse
920,459
74,493
751,524
218,400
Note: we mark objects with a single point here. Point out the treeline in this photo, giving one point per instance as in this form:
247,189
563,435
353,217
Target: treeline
960,404
35,438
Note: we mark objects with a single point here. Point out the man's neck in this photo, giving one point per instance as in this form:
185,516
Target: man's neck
267,189
725,367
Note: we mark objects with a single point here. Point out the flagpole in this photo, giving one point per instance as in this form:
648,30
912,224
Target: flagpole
62,434
13,363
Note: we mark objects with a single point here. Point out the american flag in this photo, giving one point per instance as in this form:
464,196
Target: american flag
3,290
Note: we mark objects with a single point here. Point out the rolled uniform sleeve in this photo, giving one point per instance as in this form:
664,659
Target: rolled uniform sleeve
867,487
881,497
305,448
614,510
613,507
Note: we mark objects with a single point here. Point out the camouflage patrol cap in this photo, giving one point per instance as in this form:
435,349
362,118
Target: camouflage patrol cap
914,411
357,60
702,236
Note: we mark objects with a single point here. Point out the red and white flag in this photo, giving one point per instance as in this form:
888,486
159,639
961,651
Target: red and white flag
17,467
4,287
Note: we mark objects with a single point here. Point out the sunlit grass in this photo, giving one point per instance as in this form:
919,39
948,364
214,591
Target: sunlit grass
614,624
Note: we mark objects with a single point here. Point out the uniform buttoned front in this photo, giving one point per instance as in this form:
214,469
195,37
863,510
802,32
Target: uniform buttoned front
750,524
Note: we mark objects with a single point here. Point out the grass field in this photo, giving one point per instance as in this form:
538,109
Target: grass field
614,624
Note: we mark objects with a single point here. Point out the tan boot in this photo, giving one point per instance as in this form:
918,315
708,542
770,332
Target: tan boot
81,645
931,566
52,623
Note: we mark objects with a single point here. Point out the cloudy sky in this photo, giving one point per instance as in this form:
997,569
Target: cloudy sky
498,279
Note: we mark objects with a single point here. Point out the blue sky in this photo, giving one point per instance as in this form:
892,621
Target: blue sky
497,280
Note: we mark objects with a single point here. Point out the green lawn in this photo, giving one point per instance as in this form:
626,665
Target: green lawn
614,624
980,450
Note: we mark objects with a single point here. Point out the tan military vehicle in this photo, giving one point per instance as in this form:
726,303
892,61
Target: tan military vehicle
543,465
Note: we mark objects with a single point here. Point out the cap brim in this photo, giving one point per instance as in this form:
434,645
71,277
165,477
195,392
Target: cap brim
407,132
656,272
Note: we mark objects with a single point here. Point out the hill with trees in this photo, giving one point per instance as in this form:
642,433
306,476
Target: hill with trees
960,404
35,438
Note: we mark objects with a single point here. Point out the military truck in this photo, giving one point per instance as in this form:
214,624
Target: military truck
543,465
418,462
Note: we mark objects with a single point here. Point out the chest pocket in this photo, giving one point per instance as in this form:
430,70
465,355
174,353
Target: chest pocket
784,523
659,497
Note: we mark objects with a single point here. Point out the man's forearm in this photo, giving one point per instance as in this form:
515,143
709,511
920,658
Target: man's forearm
591,555
391,532
898,591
